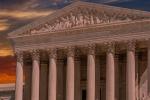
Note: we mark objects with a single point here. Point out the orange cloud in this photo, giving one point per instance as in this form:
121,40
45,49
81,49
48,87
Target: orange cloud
5,78
4,25
24,14
6,52
9,18
5,49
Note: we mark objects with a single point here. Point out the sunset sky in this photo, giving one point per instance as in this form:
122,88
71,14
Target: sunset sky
16,13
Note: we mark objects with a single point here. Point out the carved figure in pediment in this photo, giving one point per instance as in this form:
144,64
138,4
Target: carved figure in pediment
86,20
91,19
68,23
57,24
83,17
63,22
77,20
80,19
72,20
86,17
106,18
97,20
49,27
33,31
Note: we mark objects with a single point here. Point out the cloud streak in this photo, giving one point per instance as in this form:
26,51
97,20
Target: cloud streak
5,50
24,15
3,25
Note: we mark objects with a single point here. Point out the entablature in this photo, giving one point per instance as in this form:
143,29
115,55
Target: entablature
89,34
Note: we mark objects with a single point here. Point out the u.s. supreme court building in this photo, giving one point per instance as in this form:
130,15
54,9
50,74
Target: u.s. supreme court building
84,51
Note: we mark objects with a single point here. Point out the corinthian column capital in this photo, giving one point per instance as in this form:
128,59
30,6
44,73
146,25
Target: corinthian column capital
110,47
19,56
131,45
70,51
91,49
35,55
52,53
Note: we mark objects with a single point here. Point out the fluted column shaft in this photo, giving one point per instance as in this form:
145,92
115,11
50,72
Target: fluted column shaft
19,77
91,73
70,74
130,72
35,76
52,76
110,73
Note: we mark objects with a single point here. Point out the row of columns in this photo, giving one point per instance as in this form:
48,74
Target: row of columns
70,80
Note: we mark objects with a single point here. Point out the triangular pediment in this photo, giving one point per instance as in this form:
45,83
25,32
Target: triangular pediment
78,15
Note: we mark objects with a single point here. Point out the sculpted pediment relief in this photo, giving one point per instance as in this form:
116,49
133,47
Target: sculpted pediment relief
83,16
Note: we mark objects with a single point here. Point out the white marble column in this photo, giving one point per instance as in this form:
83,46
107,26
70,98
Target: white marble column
52,75
148,67
137,93
91,73
110,73
70,74
19,77
130,71
77,79
35,75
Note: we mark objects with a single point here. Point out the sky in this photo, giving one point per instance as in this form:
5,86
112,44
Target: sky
17,13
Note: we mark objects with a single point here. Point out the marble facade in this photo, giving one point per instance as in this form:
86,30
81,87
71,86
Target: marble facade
84,51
